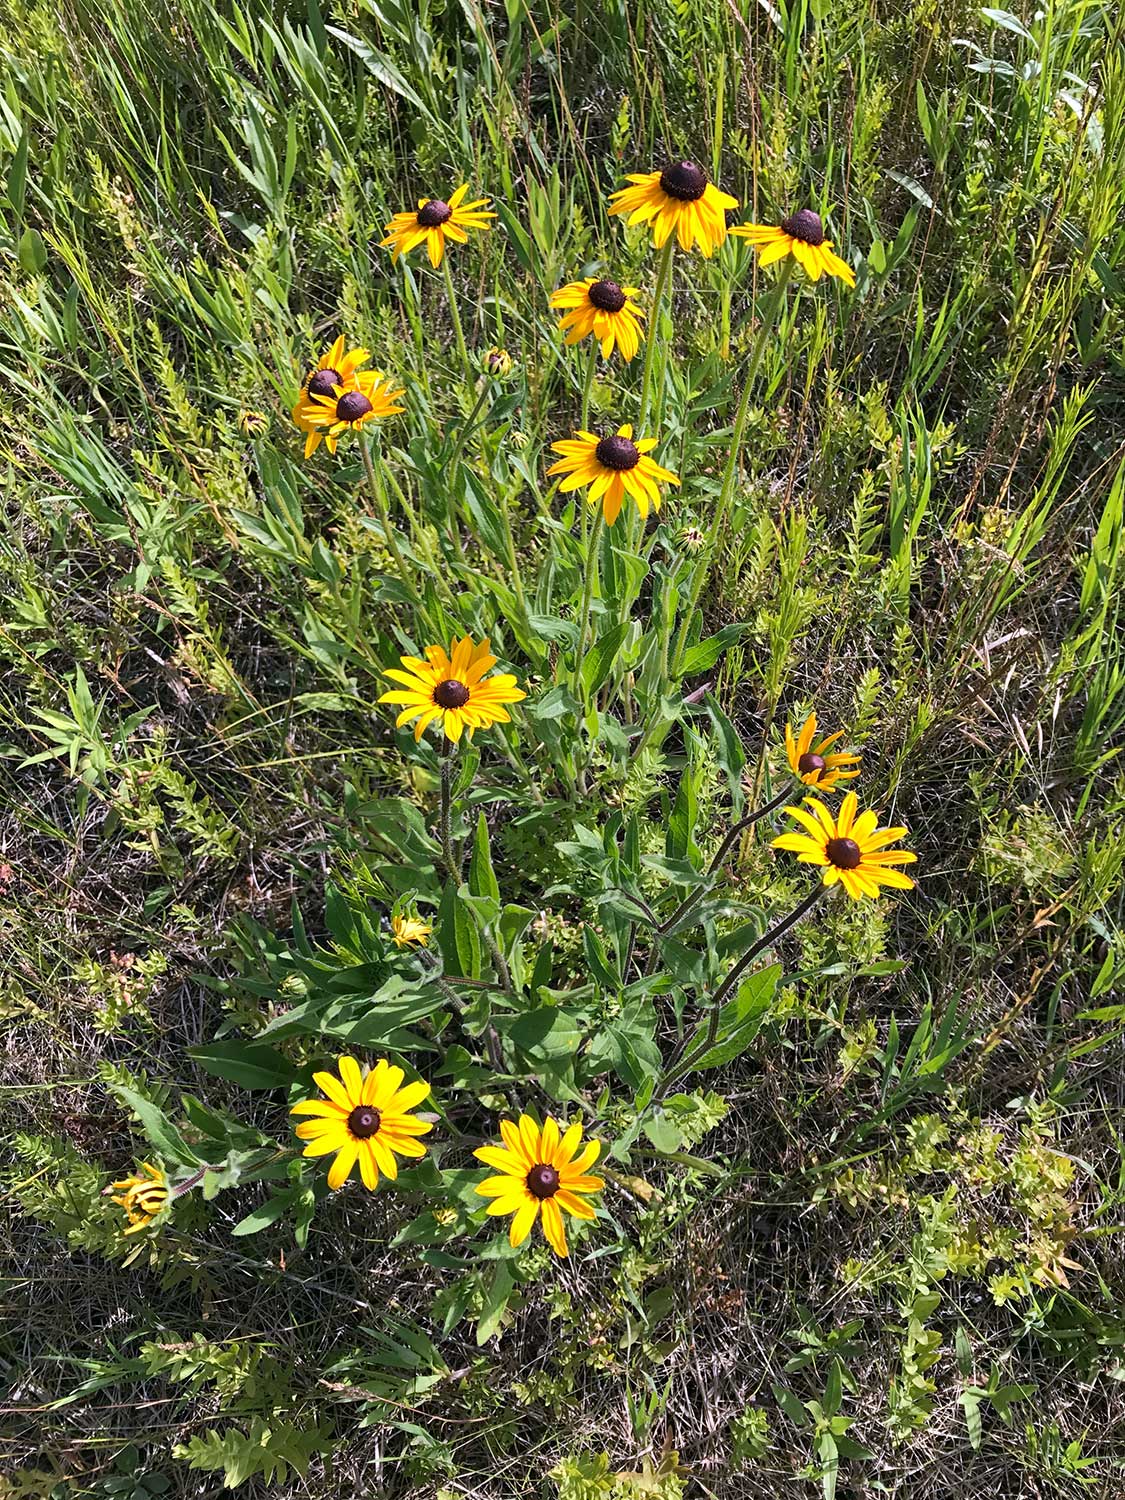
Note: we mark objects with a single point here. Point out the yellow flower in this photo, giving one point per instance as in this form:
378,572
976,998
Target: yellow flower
407,930
142,1196
613,467
253,423
809,762
801,235
452,689
539,1175
337,366
434,222
369,396
601,308
851,850
677,201
364,1119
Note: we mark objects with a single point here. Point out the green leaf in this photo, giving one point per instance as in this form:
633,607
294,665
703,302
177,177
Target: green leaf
791,1406
482,877
266,1213
597,960
702,657
546,1032
495,1302
17,175
741,1019
599,660
728,752
159,1129
32,252
457,935
250,1064
662,1132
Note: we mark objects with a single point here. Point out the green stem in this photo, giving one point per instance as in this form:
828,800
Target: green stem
663,273
588,386
677,1070
452,863
718,520
467,425
513,560
587,594
584,425
455,315
724,848
379,495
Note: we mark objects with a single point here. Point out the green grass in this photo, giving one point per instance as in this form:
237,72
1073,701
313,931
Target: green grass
872,1244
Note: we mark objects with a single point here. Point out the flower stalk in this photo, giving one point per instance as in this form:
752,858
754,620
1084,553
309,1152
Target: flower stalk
379,494
724,848
452,863
663,276
703,566
677,1070
455,315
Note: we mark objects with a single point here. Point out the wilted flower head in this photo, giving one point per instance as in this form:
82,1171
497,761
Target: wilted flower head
142,1196
498,362
253,423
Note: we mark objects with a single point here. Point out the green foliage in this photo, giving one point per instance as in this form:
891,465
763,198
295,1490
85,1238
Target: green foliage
270,1450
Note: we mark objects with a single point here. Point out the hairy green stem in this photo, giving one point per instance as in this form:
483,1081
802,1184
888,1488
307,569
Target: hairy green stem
587,593
737,829
467,424
452,863
726,492
455,315
379,494
678,1069
663,274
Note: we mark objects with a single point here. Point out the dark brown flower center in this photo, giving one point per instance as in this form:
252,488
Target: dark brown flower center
451,693
684,180
351,406
543,1181
607,296
617,453
364,1122
805,225
810,761
434,213
845,854
324,382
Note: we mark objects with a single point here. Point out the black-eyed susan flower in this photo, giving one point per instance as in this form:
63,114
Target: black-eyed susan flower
602,309
364,1119
540,1175
253,424
407,930
142,1196
814,764
452,689
801,235
369,396
612,467
679,200
434,222
498,362
849,849
336,366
